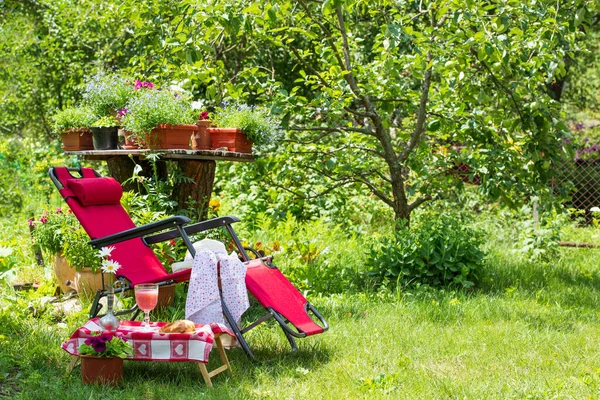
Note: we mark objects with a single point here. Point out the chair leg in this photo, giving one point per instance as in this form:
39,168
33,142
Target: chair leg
96,306
291,339
236,331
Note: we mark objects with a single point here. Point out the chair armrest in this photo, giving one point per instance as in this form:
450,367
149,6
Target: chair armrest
139,231
192,229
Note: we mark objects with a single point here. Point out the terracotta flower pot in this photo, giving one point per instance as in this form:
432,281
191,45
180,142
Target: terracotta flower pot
166,295
171,136
64,273
201,138
87,282
230,138
130,142
77,139
102,370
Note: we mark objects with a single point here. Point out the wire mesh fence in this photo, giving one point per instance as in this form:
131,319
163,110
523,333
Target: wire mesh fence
580,179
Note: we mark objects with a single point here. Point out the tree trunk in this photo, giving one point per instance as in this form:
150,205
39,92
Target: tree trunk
195,195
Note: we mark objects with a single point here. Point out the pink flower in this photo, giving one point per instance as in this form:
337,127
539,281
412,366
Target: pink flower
59,210
139,84
30,222
105,337
43,220
122,113
204,115
99,346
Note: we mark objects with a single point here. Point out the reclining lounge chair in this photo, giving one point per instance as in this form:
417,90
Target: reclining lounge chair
95,201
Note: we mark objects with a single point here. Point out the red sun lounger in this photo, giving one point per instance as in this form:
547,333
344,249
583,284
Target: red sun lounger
95,201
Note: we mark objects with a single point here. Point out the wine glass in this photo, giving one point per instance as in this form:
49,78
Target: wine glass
146,297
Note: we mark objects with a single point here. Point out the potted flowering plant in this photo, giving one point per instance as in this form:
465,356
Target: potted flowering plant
201,139
72,124
60,235
161,118
105,133
240,126
108,93
102,357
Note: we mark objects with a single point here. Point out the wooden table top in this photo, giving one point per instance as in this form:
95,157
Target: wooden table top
170,154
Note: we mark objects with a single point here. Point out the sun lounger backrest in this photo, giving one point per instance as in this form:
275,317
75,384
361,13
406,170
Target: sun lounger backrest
95,201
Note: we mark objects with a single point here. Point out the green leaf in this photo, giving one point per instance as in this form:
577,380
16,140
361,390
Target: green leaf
434,125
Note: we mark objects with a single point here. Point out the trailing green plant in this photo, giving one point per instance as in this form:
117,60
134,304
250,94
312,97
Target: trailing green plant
73,118
257,122
59,232
107,93
106,121
154,107
439,249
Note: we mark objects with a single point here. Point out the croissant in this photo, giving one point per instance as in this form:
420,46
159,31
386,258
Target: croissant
179,326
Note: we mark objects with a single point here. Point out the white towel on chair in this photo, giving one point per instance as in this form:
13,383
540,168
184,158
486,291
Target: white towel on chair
203,303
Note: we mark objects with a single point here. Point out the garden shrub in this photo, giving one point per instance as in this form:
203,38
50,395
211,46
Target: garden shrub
438,250
316,256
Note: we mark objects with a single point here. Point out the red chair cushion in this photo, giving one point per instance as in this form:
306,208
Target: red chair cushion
97,191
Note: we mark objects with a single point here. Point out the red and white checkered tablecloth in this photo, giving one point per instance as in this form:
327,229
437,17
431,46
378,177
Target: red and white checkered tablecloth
155,346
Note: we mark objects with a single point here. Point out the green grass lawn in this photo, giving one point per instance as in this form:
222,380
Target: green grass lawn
527,331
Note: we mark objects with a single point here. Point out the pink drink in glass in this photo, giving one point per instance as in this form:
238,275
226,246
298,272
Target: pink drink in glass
146,299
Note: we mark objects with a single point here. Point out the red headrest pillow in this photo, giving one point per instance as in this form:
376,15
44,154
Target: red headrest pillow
96,191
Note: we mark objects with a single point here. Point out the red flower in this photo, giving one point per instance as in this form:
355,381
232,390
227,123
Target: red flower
43,220
204,115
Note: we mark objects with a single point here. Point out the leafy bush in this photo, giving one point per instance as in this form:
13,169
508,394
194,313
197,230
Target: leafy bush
73,117
317,257
257,123
154,107
539,244
438,250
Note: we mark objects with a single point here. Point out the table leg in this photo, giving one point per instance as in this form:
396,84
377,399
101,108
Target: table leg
198,191
205,374
121,168
224,360
222,354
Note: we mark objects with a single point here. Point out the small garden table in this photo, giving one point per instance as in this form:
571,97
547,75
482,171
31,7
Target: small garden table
166,347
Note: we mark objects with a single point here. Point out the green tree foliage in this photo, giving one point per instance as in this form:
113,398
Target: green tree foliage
46,49
386,94
388,97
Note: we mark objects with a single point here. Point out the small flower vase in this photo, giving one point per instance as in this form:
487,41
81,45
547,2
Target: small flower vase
110,322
